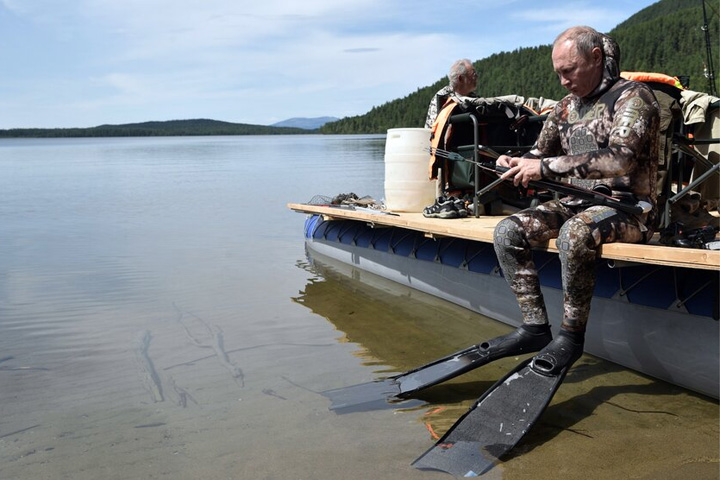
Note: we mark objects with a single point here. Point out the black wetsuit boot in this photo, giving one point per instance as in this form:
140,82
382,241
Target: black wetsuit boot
526,339
559,354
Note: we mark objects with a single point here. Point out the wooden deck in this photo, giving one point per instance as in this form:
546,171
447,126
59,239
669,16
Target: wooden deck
481,229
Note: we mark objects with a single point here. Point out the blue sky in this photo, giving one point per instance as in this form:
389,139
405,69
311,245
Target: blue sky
81,63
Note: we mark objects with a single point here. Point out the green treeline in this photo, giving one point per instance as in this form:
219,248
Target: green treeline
666,37
154,129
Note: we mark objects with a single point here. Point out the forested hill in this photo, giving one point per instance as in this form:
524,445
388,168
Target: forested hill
666,37
152,129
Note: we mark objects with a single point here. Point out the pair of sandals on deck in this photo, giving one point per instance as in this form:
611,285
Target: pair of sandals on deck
446,207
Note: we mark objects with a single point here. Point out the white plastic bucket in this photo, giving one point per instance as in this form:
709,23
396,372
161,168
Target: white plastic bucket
408,187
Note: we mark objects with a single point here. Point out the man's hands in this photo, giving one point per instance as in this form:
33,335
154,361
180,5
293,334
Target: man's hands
521,170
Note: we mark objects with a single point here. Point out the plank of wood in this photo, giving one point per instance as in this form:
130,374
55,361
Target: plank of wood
481,229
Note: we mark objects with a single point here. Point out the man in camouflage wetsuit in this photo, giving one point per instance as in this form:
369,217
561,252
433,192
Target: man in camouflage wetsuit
604,134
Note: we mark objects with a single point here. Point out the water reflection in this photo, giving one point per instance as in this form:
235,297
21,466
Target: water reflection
395,328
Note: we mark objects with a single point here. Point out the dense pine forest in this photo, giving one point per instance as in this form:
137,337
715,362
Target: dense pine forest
666,37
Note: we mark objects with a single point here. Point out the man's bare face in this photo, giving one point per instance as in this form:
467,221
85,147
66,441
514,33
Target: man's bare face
468,81
579,75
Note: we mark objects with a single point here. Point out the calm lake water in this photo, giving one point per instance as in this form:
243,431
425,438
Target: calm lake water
159,318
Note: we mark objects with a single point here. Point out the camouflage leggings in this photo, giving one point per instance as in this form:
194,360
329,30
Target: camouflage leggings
578,233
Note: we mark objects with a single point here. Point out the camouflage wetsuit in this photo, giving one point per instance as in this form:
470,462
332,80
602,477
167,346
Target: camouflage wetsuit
609,137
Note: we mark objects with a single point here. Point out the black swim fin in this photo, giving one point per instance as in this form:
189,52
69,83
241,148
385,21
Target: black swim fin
383,393
502,416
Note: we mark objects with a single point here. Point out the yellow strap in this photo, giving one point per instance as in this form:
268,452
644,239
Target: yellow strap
436,132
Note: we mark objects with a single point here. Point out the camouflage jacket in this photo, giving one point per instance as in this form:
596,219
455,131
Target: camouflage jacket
609,138
438,100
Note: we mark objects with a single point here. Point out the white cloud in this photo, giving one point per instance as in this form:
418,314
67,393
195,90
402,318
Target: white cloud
105,61
16,6
557,19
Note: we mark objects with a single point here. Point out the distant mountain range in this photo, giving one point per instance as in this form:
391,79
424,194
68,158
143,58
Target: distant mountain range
192,127
305,123
169,128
